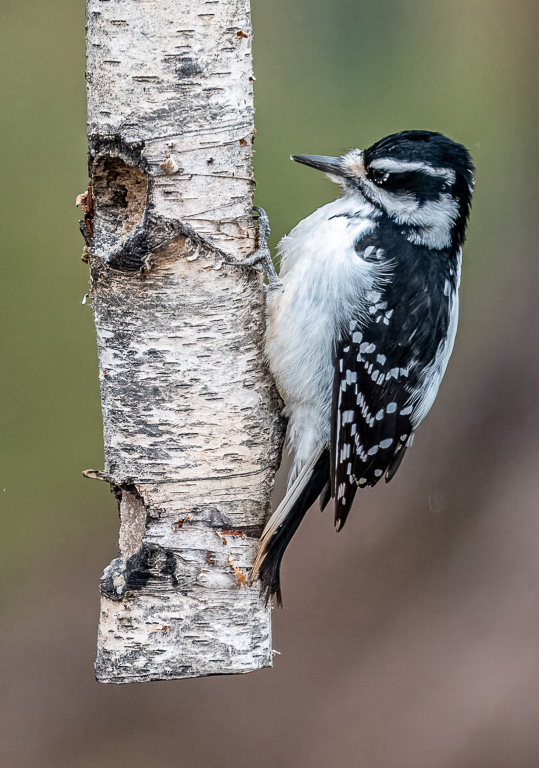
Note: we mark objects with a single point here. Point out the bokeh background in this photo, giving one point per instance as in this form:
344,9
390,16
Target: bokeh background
411,640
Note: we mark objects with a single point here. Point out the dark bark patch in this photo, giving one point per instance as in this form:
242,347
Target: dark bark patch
186,68
151,567
113,145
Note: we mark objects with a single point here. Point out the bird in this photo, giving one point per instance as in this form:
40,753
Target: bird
362,320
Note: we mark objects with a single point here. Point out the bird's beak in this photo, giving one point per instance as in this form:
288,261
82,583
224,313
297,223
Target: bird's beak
332,165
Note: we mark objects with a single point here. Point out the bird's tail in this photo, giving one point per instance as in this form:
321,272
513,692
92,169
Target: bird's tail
312,481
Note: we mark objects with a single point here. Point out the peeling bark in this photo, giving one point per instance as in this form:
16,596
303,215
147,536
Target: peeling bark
192,429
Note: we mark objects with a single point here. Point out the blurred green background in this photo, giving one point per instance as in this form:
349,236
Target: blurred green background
412,638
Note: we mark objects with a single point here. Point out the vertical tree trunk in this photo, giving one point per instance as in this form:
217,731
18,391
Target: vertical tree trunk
191,426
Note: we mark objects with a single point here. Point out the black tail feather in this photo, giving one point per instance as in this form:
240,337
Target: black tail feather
270,568
325,496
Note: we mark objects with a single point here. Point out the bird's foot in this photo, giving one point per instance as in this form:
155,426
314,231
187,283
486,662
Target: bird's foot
261,260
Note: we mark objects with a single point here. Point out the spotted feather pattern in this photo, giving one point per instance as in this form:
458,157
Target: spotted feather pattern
371,419
382,363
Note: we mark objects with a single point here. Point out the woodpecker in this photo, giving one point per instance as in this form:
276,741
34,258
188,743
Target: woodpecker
362,320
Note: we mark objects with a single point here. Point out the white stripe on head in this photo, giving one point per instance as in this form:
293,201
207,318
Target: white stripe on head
434,219
391,165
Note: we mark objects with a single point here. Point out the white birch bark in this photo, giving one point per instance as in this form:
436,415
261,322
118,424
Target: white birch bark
191,418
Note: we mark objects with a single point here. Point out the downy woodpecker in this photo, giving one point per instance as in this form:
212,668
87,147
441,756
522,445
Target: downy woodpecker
362,320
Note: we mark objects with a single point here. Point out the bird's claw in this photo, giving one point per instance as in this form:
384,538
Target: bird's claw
263,226
261,260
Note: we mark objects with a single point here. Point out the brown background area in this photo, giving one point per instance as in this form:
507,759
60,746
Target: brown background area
410,640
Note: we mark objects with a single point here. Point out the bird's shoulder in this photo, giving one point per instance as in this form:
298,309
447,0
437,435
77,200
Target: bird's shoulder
410,311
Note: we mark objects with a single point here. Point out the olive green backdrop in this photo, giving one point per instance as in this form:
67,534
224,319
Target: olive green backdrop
411,640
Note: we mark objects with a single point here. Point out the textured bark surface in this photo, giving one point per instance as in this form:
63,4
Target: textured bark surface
191,418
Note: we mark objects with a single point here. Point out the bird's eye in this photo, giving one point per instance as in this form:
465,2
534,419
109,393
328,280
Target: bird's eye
379,177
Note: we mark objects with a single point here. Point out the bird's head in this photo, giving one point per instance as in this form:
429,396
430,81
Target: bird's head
420,179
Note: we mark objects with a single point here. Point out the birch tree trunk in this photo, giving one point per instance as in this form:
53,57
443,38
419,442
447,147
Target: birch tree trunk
192,430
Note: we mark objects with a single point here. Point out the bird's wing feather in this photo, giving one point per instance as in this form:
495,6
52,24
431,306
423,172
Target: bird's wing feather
379,366
371,420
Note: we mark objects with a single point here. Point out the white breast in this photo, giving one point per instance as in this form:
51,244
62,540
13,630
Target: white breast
323,285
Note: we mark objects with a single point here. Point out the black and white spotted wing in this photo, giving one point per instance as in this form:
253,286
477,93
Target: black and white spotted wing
379,366
371,419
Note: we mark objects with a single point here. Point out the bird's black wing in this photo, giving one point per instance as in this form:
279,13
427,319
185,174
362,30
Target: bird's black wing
371,418
378,366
